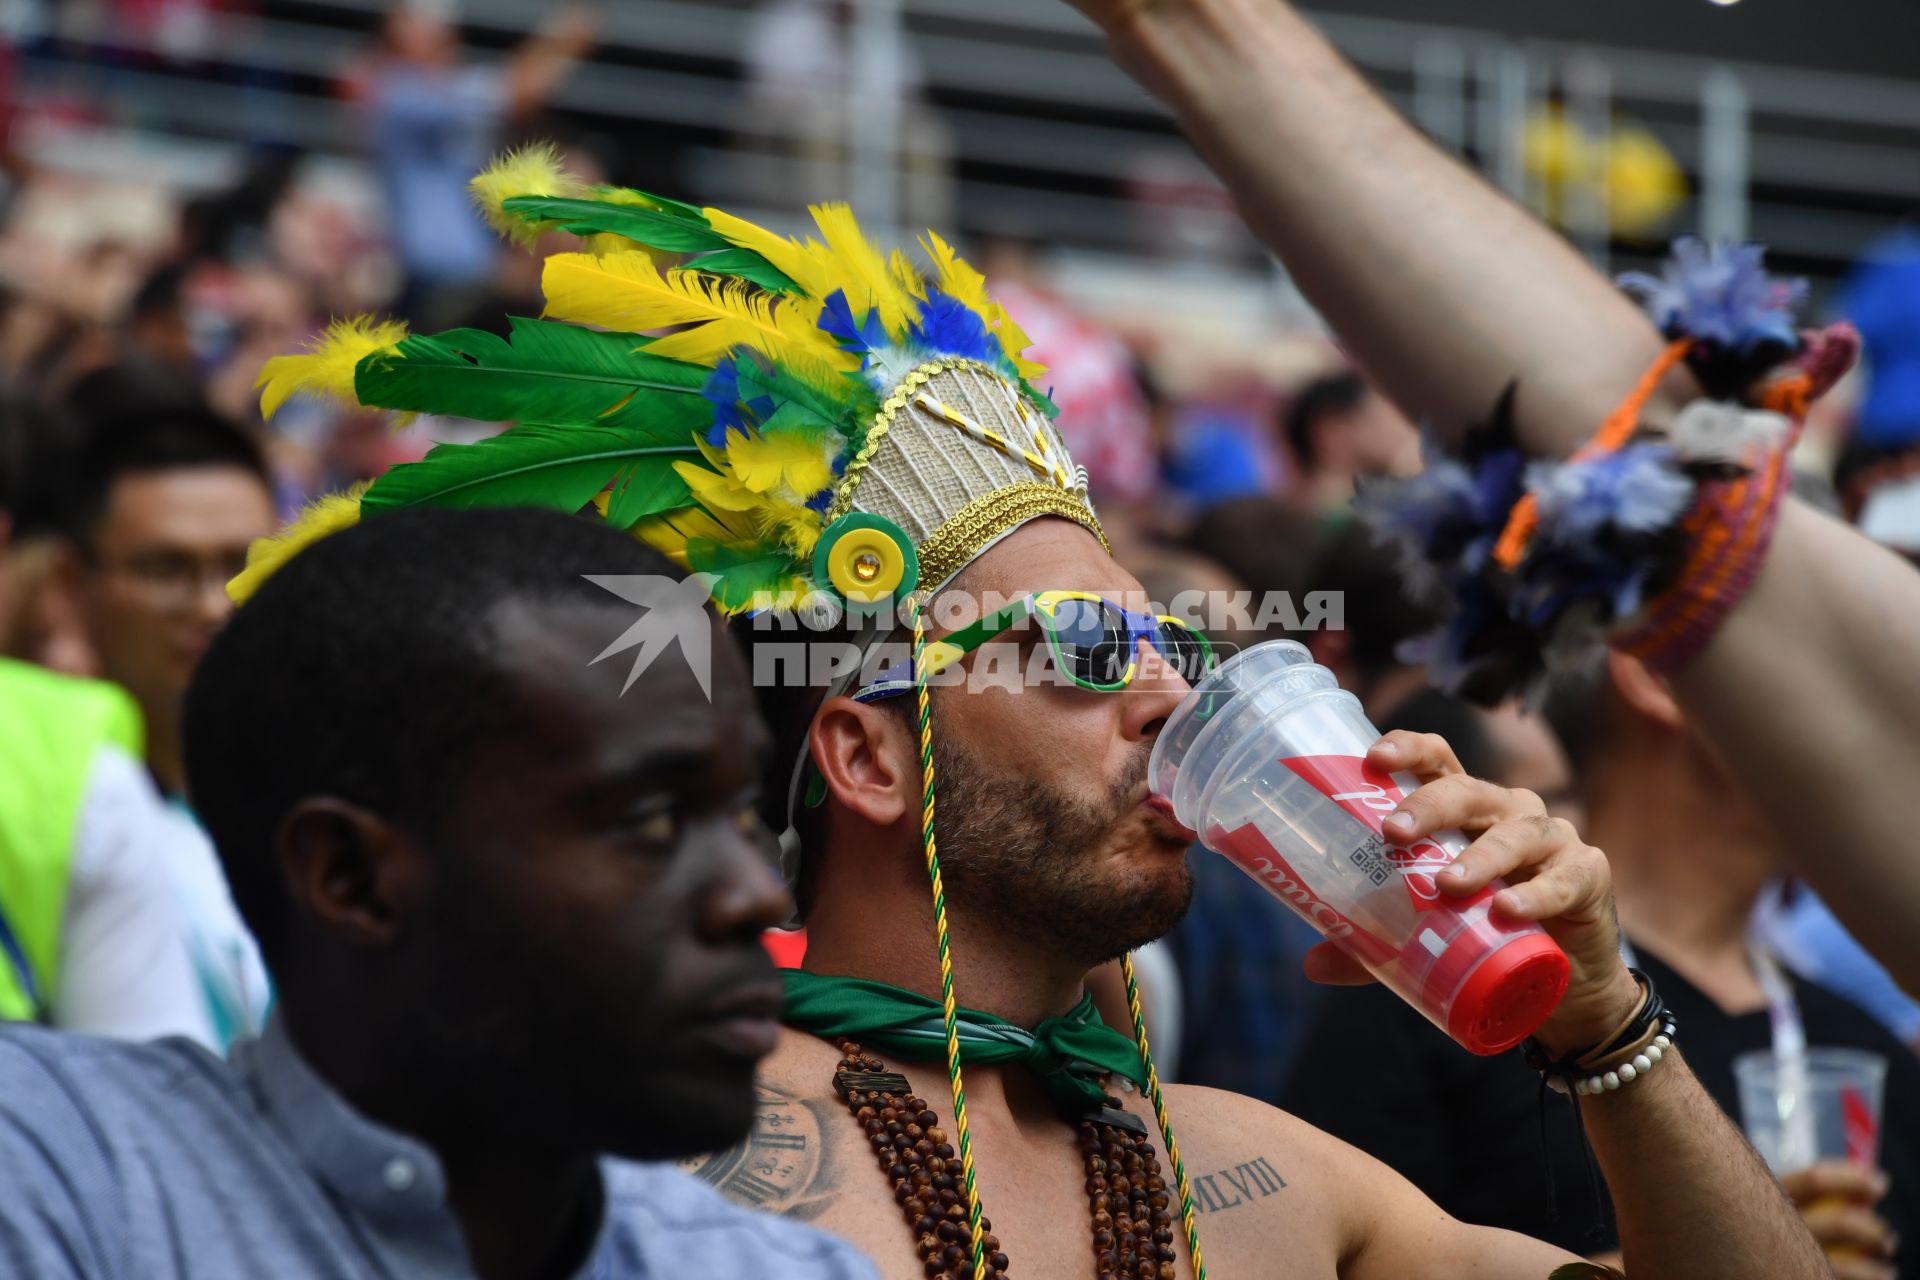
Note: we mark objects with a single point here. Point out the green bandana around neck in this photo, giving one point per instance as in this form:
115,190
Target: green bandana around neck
1071,1054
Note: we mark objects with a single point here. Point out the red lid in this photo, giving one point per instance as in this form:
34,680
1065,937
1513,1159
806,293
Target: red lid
1506,998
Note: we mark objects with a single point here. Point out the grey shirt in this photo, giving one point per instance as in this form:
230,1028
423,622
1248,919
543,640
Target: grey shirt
156,1161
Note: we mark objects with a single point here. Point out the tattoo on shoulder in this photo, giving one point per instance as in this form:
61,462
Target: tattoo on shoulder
1230,1188
786,1164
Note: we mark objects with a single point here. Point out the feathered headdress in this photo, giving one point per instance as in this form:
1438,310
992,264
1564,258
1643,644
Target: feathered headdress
784,416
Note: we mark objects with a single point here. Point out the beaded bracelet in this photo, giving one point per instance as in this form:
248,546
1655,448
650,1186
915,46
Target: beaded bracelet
1632,1068
1620,1058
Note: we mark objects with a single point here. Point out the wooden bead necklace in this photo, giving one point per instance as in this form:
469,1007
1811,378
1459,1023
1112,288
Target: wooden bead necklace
1127,1197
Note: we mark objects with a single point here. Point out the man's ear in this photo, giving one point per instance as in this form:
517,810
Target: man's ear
867,758
1648,694
352,872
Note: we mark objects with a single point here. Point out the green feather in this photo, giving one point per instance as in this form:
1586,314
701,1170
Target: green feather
675,207
740,573
643,491
561,468
549,372
672,228
748,266
827,401
657,229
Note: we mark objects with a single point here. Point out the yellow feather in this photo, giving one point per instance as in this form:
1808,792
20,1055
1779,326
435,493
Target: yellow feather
956,277
799,532
326,367
790,525
907,277
796,261
329,515
862,272
533,170
627,291
670,531
764,462
718,492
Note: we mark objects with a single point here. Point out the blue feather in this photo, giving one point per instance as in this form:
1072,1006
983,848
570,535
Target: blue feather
730,412
722,390
1635,490
1719,294
949,327
862,337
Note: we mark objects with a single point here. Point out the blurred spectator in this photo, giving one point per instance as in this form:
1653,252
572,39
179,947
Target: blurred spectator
1796,926
1379,617
1261,541
1210,460
88,936
433,123
1878,472
165,502
1882,299
803,103
163,505
1690,861
1104,416
39,618
1628,175
1339,428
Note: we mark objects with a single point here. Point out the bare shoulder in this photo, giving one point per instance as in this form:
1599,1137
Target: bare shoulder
792,1160
1359,1215
1214,1117
1248,1161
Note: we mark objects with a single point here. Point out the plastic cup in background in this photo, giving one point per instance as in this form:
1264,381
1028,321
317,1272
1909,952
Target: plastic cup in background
1827,1107
1265,759
1821,1104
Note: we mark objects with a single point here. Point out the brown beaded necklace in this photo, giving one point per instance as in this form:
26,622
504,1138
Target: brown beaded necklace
1128,1199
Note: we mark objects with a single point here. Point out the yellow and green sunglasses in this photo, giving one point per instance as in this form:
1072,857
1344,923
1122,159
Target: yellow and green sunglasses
1093,642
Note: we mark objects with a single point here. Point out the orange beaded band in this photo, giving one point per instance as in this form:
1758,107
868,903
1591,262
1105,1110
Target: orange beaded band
1614,433
1729,531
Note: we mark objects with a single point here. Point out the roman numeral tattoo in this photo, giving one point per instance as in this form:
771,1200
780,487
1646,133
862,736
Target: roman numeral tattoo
1242,1184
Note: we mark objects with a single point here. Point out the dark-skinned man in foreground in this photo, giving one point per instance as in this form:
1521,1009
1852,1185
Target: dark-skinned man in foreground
514,921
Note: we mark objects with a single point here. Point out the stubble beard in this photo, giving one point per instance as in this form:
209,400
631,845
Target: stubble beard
1022,856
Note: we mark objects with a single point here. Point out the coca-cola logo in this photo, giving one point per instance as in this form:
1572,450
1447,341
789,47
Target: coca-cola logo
1369,794
1322,916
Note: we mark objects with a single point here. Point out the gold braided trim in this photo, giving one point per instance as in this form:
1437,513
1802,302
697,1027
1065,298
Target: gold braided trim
897,399
971,528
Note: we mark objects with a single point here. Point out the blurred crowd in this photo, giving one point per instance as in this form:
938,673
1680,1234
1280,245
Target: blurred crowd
135,469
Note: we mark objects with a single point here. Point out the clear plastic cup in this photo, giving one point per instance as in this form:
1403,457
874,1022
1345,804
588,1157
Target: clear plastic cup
1265,759
1826,1105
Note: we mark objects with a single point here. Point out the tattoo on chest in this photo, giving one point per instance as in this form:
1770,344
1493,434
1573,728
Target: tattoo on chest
785,1166
1230,1188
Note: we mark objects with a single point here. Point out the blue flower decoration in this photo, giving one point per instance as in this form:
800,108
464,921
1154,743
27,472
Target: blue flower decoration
1719,294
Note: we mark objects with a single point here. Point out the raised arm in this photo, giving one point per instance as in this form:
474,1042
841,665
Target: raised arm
543,60
1691,1197
1446,291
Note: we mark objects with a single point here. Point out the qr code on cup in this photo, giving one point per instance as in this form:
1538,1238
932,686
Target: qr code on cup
1371,859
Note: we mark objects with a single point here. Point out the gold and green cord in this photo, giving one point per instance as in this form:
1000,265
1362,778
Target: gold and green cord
1160,1114
947,1003
924,713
